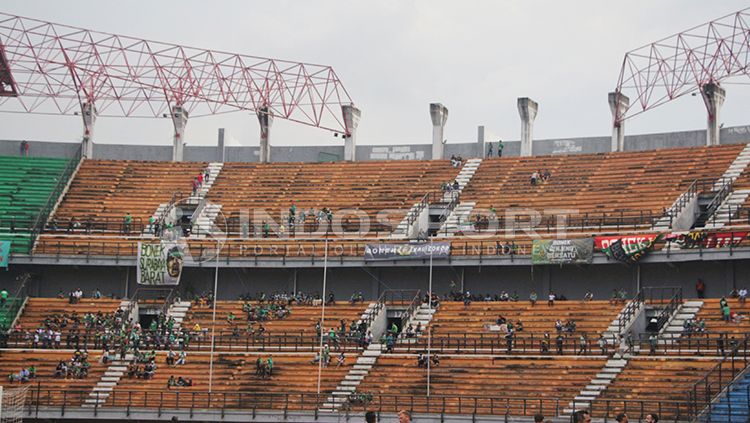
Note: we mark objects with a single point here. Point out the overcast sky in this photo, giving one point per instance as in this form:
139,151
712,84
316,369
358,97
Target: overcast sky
395,57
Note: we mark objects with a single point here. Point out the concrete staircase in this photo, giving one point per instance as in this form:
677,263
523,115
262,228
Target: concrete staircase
674,327
460,215
106,384
403,226
736,168
464,176
731,174
423,315
663,224
355,376
178,310
612,334
462,212
214,169
598,384
205,220
733,201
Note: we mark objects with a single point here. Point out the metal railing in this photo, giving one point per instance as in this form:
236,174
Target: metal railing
716,380
630,310
11,308
732,411
673,299
727,184
190,400
100,225
197,341
522,343
635,219
699,344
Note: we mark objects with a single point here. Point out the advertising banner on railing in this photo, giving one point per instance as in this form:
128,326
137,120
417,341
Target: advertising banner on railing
562,251
411,251
627,249
4,253
705,239
159,263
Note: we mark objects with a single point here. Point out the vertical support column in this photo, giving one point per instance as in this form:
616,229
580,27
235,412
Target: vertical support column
618,104
179,119
351,121
265,119
439,115
527,109
713,96
220,147
88,112
480,142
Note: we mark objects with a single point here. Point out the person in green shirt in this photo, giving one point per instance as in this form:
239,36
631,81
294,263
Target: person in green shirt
3,297
500,147
126,222
533,297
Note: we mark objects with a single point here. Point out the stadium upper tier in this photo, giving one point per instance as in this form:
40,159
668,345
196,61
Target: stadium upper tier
25,186
104,191
598,184
371,187
600,193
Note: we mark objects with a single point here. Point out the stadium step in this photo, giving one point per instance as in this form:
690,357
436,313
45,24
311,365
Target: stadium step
108,381
673,329
355,376
178,310
612,334
460,216
599,383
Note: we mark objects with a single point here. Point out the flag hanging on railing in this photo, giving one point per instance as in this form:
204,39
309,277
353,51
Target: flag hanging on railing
159,263
627,249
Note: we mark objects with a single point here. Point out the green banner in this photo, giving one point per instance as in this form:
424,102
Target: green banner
562,251
4,253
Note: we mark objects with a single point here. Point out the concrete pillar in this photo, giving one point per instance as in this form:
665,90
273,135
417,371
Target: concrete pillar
618,104
220,153
527,109
88,112
179,119
265,119
439,115
480,142
351,121
713,96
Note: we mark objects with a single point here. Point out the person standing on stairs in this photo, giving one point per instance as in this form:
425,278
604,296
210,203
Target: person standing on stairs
500,147
489,150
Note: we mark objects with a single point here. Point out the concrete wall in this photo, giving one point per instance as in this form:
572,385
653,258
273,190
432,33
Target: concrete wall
571,281
739,134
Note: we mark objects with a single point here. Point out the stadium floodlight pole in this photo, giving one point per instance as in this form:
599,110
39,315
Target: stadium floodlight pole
322,317
213,323
429,332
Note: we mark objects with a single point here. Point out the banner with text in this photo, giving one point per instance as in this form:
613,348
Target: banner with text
627,249
159,263
562,251
4,253
704,239
421,250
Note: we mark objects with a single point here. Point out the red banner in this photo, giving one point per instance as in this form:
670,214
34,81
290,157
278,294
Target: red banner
702,239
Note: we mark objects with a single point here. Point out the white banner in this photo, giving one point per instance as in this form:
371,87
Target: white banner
159,263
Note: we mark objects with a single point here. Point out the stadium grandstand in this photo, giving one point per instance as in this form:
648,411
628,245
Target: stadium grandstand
486,281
